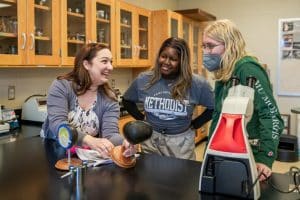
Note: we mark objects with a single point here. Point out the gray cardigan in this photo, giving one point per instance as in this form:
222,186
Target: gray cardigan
61,100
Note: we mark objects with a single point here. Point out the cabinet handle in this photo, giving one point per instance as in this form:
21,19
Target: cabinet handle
138,49
24,41
32,41
134,50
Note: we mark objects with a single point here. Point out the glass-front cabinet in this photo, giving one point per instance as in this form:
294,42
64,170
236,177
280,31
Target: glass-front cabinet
74,33
126,35
29,34
133,35
10,30
122,27
144,35
165,24
50,32
86,21
186,31
192,35
103,28
175,24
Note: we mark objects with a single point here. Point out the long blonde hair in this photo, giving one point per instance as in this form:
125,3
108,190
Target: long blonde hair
226,32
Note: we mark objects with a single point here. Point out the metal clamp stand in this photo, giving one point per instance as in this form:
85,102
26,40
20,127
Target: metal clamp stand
76,180
67,137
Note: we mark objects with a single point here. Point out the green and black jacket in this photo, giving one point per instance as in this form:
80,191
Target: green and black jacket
266,124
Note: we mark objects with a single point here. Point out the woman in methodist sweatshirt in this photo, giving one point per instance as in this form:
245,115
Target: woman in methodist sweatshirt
170,92
224,54
84,99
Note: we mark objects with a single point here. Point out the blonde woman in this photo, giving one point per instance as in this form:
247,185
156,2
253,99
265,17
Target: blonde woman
225,56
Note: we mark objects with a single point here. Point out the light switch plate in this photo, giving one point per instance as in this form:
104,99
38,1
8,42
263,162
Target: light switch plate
11,92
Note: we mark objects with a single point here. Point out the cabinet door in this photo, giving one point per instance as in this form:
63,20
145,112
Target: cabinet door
103,21
12,32
43,32
133,35
175,24
125,33
142,44
74,28
28,34
165,24
187,33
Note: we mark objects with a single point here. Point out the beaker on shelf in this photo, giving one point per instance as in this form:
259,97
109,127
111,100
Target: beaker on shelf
12,49
101,35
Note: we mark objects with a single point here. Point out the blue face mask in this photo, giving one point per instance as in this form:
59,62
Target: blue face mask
212,62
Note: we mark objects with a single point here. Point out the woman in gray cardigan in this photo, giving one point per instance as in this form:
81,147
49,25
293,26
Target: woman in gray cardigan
84,99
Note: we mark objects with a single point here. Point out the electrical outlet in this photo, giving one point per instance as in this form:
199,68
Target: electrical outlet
11,92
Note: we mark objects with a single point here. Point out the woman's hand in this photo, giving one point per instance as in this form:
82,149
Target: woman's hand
262,168
130,149
102,145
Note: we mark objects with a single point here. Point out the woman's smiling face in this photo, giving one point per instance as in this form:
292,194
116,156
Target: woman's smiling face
100,67
169,63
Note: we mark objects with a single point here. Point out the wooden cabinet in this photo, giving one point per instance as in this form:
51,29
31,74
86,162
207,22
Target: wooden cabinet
103,27
86,21
192,34
196,52
165,24
29,33
74,28
121,26
50,32
194,21
132,35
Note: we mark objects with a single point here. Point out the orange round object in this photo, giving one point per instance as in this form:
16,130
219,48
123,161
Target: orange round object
64,165
120,160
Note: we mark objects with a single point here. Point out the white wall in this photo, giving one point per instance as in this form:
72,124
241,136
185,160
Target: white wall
258,21
155,4
37,81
